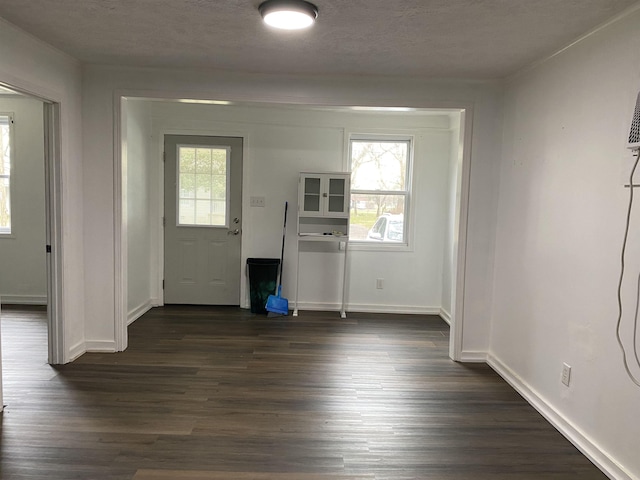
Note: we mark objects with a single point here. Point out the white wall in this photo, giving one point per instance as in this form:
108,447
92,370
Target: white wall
138,172
280,143
37,68
560,225
101,84
22,254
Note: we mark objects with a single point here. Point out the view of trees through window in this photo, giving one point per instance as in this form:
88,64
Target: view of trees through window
202,189
379,189
5,174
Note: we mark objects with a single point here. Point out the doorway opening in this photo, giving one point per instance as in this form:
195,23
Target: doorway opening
276,151
30,235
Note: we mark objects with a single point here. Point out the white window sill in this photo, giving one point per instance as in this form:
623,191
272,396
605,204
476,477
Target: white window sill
380,247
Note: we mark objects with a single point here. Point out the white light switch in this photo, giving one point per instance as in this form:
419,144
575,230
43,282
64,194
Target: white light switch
256,202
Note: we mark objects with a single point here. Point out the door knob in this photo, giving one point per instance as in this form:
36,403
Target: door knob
233,232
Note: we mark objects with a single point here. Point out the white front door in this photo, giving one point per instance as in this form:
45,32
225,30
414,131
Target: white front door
203,227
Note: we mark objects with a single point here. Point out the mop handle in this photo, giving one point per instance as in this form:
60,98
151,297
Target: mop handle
284,231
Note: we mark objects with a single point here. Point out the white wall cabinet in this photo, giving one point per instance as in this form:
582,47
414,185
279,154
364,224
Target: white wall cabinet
324,194
323,204
323,216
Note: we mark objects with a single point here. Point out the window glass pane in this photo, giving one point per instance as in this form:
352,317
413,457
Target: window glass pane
203,160
312,203
5,173
378,165
5,206
377,218
187,212
187,185
187,159
202,186
219,161
5,146
336,186
218,212
312,185
219,187
336,203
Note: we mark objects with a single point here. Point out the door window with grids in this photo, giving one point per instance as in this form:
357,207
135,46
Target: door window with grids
380,188
203,186
6,122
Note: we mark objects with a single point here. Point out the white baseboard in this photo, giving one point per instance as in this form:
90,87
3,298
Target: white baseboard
446,316
100,346
24,299
473,357
587,446
77,350
137,312
368,308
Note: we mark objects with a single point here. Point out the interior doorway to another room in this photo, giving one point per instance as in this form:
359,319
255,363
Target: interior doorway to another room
22,200
314,143
30,215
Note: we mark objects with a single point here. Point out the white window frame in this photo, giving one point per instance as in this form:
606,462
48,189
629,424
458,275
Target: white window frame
410,138
4,231
228,192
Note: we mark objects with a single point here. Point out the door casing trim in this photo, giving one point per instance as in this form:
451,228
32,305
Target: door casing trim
215,132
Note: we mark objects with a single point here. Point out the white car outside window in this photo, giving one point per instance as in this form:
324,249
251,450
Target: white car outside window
388,228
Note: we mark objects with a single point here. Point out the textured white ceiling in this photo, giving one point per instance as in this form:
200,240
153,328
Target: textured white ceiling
475,39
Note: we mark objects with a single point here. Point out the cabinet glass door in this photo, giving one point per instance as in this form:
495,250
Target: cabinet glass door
337,187
311,194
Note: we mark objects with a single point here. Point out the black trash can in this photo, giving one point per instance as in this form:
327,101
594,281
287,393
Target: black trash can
263,281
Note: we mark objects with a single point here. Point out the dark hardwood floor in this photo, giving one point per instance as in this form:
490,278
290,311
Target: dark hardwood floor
218,393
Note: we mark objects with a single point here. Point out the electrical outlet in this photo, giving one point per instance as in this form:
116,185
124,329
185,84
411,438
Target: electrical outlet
380,283
566,374
256,202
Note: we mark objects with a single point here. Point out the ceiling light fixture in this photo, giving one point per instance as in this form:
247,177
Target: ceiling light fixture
288,14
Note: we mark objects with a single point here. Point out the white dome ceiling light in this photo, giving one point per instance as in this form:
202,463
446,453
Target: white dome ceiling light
288,14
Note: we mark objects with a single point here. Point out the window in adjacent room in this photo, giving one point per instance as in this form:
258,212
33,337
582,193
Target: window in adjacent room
6,122
380,189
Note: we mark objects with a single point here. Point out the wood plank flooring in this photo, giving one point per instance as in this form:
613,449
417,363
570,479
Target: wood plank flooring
217,393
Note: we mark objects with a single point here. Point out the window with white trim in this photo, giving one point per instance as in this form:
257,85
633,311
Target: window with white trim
6,122
380,188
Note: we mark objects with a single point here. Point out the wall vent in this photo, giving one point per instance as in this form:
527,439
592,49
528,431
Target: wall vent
634,133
